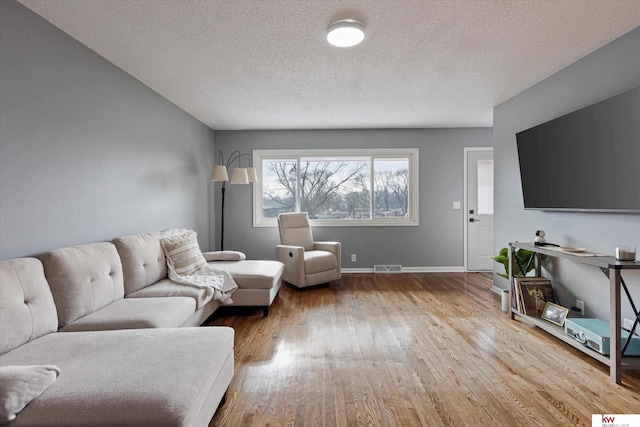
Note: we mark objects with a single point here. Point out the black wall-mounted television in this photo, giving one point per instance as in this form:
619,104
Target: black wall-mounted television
588,160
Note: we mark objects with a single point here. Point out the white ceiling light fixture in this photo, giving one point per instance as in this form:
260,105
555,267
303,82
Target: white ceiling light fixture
345,33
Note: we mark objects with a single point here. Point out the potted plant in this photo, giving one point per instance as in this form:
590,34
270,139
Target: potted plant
524,262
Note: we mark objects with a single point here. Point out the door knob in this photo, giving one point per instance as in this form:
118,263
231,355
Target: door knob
473,220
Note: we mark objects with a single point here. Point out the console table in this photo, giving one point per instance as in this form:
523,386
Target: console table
613,270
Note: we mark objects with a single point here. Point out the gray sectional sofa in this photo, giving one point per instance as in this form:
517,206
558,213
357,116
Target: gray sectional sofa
145,275
141,377
87,284
115,337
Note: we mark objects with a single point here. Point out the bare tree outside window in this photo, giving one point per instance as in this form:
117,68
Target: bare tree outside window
391,187
279,187
328,189
339,186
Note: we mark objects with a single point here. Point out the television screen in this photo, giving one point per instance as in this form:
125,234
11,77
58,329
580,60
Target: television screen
588,160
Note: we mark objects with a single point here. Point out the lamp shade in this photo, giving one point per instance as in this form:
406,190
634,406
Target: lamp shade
219,173
239,176
251,173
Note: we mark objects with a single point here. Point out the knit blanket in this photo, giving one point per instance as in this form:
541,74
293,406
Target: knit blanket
218,283
187,266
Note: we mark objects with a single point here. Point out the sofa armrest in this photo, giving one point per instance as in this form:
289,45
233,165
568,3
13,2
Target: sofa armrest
334,247
293,259
224,256
328,246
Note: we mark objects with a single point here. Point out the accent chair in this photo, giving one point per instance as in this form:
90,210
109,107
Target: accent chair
306,262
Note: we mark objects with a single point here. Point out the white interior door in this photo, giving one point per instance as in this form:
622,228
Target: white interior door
479,209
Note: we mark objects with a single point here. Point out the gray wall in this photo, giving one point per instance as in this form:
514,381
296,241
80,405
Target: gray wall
88,153
436,242
608,71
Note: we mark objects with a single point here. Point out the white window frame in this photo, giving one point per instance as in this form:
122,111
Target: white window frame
412,154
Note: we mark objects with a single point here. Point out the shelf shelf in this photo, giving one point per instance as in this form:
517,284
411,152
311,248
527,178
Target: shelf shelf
612,268
598,261
558,332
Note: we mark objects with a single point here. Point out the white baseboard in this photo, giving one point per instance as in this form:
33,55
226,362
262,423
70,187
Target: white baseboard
410,270
496,289
433,269
356,270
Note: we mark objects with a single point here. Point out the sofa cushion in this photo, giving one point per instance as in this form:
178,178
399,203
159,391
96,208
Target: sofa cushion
136,313
182,251
143,260
27,310
252,274
149,377
168,288
318,261
83,279
19,385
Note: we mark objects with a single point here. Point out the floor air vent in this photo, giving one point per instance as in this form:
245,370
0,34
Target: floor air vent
387,269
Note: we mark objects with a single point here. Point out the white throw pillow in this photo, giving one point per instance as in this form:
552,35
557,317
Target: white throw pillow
182,250
19,385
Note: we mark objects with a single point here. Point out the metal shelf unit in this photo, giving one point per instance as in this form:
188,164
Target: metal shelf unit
612,269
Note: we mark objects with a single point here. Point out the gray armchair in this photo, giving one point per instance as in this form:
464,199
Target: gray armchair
306,263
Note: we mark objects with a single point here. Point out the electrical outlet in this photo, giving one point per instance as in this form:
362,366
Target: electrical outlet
353,257
627,324
580,305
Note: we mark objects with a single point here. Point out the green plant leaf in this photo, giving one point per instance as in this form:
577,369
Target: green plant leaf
524,259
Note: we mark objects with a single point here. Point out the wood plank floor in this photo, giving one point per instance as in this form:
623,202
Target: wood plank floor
429,349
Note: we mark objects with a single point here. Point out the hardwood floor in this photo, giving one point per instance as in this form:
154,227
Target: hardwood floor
429,349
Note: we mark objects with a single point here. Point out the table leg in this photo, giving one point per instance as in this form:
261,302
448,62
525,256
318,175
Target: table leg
615,368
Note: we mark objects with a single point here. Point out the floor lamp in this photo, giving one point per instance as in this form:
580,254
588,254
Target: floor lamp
239,175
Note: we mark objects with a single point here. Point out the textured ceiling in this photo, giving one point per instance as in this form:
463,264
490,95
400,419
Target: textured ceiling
265,64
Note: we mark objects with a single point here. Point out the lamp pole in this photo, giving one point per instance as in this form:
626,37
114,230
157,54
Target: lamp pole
222,175
222,219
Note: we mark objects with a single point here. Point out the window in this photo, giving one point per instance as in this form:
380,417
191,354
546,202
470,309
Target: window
485,187
337,187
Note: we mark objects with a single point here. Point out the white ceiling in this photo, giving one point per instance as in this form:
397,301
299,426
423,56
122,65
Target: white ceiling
265,64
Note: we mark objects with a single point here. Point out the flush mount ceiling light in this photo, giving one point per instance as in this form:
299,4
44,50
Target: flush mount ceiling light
345,33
